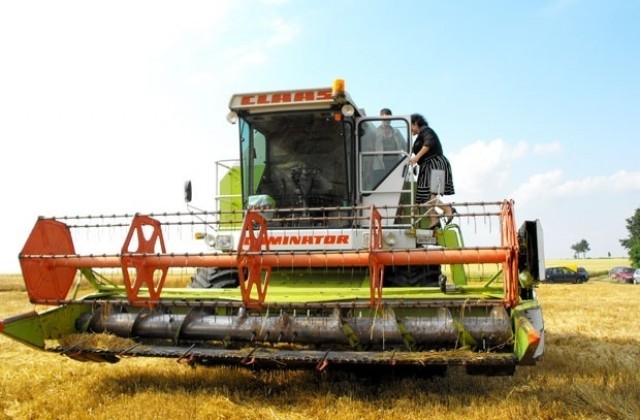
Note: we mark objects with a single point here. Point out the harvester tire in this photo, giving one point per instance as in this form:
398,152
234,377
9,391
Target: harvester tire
214,278
407,276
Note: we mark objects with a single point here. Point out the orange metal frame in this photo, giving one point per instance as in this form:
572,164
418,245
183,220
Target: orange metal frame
49,262
145,273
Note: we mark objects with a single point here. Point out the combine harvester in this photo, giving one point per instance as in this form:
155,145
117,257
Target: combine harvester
315,257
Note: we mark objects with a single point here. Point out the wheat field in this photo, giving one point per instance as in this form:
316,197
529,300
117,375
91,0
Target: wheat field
591,370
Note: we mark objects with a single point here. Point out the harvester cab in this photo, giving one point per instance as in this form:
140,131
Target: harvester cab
314,256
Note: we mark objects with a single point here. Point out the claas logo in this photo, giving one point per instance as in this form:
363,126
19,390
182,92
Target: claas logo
286,97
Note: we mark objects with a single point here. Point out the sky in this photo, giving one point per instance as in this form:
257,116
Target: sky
109,107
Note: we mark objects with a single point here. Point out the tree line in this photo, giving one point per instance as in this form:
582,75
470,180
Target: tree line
632,243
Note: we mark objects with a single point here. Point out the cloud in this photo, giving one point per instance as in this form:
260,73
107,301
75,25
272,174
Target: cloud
551,186
565,202
547,148
538,186
485,165
268,35
86,29
274,2
283,32
620,181
497,169
245,56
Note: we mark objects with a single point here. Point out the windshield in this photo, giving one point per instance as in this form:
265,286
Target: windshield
295,160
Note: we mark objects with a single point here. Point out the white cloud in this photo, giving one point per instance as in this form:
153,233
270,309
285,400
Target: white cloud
95,97
202,79
619,181
483,166
85,29
550,186
547,148
487,170
240,59
538,186
283,32
247,56
273,33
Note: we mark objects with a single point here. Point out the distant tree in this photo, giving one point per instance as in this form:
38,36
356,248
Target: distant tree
634,254
632,243
581,247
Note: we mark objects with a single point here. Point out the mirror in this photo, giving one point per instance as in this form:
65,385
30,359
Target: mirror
187,191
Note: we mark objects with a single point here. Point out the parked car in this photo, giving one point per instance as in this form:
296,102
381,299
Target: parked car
564,275
622,274
636,276
584,271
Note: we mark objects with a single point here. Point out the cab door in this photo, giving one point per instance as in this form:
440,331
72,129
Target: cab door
383,145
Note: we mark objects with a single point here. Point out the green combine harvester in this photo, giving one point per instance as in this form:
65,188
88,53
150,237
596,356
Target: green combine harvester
311,259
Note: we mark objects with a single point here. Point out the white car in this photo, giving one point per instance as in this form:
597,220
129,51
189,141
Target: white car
636,276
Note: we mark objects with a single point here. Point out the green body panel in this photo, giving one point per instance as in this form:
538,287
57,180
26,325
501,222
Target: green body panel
33,329
322,293
451,237
523,327
322,285
521,345
230,203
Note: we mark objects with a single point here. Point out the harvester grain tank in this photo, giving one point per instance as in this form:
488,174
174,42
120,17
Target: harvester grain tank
314,256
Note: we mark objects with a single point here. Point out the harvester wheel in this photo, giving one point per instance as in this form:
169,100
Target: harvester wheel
214,278
428,275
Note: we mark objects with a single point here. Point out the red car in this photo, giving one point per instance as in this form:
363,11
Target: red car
622,274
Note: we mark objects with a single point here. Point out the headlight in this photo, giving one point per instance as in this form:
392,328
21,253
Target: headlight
232,117
365,240
389,238
224,242
210,240
348,110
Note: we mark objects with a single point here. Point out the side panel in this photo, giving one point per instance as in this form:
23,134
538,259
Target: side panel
230,198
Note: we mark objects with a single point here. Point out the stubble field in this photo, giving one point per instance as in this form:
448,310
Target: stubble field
591,370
